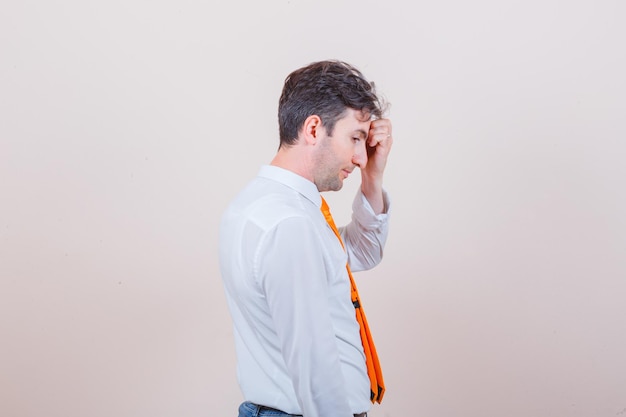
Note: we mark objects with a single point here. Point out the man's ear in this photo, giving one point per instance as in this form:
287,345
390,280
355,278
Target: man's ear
312,129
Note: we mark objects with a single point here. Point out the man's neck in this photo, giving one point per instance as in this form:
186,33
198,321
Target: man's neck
294,159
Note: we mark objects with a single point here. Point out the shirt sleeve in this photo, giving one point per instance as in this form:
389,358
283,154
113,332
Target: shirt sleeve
293,277
365,236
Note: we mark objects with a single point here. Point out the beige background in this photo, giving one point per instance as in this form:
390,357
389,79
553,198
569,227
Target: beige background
127,126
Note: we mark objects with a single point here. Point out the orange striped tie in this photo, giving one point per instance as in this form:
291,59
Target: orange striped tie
371,357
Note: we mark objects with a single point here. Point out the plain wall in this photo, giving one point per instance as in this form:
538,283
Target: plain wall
127,126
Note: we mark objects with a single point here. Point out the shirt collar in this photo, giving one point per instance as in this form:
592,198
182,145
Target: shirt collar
292,180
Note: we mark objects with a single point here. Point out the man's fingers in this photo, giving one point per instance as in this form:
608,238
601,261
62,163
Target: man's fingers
380,130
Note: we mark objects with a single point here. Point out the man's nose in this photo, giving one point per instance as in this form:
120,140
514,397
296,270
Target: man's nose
360,155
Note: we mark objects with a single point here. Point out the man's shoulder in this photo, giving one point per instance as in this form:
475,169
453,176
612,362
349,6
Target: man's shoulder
269,204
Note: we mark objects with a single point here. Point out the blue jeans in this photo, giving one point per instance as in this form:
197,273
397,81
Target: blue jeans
248,409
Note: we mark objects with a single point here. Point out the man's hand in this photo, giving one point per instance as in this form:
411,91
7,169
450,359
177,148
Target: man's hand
379,141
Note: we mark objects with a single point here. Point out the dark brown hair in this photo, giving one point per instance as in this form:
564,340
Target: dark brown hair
325,89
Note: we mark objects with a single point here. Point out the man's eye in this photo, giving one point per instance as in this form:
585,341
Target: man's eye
356,139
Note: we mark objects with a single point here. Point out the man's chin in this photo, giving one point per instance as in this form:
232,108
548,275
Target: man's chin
335,186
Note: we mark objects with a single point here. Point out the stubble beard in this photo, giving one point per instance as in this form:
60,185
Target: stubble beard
329,184
327,176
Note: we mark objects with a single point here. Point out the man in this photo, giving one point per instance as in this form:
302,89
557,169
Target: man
302,347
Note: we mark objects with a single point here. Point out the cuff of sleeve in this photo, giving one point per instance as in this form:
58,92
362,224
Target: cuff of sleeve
364,214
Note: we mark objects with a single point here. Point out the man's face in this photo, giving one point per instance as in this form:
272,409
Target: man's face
338,155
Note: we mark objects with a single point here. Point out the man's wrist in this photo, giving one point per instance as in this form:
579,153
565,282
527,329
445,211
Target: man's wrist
372,189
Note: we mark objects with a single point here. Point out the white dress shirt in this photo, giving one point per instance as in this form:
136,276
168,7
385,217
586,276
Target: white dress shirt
284,271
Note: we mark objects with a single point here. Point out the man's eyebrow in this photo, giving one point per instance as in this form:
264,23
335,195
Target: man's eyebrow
362,133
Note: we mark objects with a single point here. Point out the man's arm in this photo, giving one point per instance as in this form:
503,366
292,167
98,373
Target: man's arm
366,235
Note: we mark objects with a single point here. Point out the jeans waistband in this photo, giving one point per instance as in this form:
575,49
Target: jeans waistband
269,411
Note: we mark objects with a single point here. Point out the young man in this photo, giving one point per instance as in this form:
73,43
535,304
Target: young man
303,347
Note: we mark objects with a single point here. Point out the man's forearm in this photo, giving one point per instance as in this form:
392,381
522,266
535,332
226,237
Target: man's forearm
372,189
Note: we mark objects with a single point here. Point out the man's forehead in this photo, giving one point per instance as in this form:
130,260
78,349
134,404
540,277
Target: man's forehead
354,121
359,116
363,116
